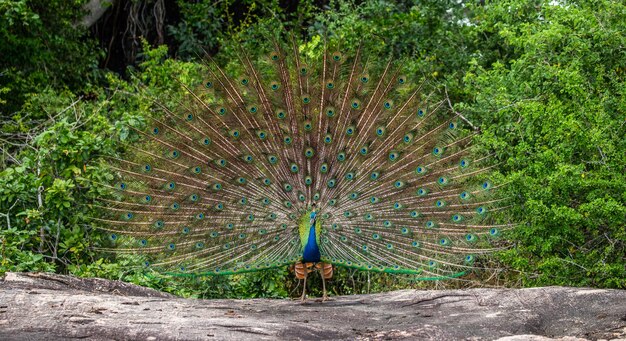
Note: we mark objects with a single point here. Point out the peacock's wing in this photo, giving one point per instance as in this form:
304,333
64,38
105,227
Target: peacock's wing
219,180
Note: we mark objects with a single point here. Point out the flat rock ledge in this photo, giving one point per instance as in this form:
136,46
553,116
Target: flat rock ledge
38,306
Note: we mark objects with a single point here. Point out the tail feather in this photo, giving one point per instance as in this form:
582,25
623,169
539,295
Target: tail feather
221,177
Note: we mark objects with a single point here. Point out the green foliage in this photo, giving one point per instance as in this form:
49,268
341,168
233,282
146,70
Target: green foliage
556,116
200,29
42,47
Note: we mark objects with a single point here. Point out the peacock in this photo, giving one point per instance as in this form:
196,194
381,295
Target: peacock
313,156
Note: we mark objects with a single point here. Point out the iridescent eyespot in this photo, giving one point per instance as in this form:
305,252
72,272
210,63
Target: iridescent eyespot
399,184
331,183
337,56
309,152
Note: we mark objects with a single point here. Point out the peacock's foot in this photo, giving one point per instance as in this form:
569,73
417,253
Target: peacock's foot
323,299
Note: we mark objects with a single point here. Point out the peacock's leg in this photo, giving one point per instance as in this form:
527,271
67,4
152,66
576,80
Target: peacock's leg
324,296
306,272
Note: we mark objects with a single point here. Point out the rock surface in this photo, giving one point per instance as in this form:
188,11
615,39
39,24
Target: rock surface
55,307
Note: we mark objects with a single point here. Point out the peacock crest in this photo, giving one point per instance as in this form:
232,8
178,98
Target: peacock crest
334,151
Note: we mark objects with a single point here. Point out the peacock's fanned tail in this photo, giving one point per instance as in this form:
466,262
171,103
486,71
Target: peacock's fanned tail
220,180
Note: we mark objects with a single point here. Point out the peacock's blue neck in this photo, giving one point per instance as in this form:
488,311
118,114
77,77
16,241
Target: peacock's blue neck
311,250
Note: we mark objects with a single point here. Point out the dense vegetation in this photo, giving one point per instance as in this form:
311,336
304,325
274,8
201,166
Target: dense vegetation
544,80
